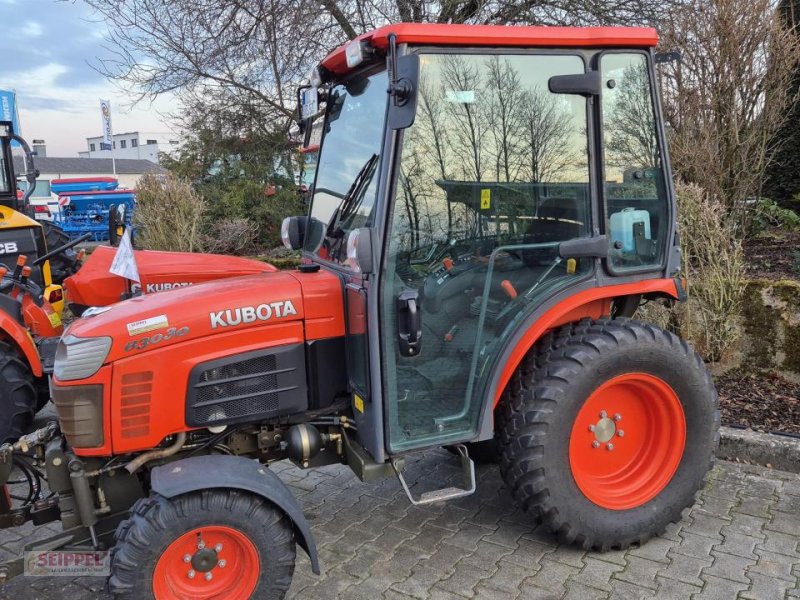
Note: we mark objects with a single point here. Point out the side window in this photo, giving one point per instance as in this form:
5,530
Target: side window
634,177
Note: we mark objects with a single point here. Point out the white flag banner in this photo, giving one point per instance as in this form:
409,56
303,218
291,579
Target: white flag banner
105,114
124,263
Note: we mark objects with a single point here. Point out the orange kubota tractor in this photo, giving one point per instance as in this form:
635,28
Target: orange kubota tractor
468,281
39,268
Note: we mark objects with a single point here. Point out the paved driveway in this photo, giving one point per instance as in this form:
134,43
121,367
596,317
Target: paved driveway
739,541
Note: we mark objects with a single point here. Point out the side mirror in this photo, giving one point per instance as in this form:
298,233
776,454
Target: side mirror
403,81
359,250
293,232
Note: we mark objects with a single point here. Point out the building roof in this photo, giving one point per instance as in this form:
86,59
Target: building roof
436,34
54,164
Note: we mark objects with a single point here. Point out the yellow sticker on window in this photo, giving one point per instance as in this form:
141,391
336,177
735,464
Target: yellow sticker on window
358,402
55,320
486,199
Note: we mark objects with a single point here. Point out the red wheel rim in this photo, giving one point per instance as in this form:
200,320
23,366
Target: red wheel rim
226,554
627,441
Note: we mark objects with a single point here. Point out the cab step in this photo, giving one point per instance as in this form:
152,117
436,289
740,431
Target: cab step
448,493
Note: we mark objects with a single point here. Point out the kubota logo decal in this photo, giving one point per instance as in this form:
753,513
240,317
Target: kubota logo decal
250,314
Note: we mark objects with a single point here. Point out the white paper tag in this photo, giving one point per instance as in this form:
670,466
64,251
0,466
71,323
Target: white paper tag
145,325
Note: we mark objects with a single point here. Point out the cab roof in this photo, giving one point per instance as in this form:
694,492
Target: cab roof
435,34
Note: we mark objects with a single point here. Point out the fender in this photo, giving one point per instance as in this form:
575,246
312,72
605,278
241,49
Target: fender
221,471
10,328
593,302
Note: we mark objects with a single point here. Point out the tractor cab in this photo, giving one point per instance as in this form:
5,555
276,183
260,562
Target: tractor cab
493,185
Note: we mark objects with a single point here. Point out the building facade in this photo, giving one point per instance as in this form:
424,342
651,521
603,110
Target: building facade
137,145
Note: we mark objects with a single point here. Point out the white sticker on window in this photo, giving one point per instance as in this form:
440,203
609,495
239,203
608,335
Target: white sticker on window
460,96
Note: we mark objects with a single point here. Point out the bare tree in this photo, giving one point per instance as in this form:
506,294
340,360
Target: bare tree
629,122
506,94
467,119
728,95
548,129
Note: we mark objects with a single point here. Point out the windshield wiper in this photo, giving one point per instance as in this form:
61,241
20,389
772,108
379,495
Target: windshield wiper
353,198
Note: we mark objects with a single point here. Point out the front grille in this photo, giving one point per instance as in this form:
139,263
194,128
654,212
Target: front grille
247,387
135,399
80,413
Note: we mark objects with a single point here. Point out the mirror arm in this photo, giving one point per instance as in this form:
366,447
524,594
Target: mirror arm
399,89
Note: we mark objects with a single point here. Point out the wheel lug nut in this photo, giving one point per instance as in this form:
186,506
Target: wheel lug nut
201,544
191,574
618,417
218,548
621,433
610,446
221,564
603,414
187,558
209,576
591,427
595,444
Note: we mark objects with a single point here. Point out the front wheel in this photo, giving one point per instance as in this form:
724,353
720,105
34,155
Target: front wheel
608,430
218,543
18,398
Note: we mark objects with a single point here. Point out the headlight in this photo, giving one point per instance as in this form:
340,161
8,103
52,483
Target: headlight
78,358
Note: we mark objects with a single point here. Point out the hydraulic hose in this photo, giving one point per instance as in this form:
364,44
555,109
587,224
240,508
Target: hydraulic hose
140,460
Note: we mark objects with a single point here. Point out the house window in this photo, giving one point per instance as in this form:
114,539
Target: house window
91,147
152,141
123,143
114,143
134,143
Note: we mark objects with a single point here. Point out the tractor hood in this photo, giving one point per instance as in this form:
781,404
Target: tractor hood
95,285
155,321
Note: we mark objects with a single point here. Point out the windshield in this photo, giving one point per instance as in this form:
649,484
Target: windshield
344,192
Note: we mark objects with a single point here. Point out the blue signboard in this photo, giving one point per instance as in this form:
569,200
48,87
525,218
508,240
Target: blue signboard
8,110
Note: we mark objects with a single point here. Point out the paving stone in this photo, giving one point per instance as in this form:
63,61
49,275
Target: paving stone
707,524
468,536
718,506
729,566
670,588
641,572
716,588
752,505
507,534
430,538
597,573
775,565
531,592
655,549
569,555
784,523
463,580
444,559
623,590
693,544
420,582
552,577
738,544
529,553
748,525
579,591
685,568
486,556
507,577
765,588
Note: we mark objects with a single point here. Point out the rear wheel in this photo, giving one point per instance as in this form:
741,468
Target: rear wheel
629,411
208,544
18,396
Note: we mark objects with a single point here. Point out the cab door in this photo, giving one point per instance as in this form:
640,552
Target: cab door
494,174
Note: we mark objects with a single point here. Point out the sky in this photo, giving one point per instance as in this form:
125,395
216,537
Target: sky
47,48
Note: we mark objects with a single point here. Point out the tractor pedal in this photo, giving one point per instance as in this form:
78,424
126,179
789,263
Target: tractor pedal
449,493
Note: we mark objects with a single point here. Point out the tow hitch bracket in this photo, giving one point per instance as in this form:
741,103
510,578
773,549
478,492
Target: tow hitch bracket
449,493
